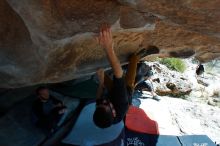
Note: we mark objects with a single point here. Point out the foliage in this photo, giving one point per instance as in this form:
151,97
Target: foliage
174,64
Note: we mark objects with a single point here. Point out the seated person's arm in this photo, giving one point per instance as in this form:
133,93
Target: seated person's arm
106,41
57,102
59,105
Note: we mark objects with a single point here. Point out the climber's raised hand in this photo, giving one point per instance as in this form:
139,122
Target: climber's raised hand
106,41
105,37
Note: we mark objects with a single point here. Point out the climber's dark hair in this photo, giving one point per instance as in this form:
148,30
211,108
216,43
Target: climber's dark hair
103,117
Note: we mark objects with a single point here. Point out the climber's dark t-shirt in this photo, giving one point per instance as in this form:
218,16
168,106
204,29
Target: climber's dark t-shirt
119,98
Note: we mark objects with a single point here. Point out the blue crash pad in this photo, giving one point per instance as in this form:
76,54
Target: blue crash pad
196,140
86,133
142,139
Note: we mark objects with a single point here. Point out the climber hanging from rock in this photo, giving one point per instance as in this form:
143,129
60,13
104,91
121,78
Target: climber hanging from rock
113,96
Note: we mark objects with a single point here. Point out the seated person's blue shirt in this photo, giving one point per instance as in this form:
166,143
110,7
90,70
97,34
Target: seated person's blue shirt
48,106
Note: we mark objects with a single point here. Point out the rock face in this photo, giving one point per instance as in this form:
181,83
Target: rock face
53,40
170,83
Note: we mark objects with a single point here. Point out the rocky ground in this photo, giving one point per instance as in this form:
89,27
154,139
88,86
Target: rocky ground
181,117
194,112
207,88
170,83
202,89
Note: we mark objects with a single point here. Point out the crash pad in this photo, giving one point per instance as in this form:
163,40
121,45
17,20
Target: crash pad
143,139
137,120
85,132
196,140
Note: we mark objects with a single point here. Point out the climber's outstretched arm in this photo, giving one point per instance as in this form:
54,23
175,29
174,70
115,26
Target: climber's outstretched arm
106,41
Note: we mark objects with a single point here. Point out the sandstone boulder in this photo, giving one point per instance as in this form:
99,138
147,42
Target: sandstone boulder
47,41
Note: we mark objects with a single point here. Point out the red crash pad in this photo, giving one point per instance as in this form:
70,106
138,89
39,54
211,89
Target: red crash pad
138,121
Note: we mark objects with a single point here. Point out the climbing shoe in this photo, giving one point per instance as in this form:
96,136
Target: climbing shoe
148,51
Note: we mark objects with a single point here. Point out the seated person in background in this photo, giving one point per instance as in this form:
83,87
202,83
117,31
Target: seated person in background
47,109
144,79
200,70
112,105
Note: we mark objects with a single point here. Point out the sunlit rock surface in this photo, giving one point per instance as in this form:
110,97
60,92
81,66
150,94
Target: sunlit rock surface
45,41
181,117
170,83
